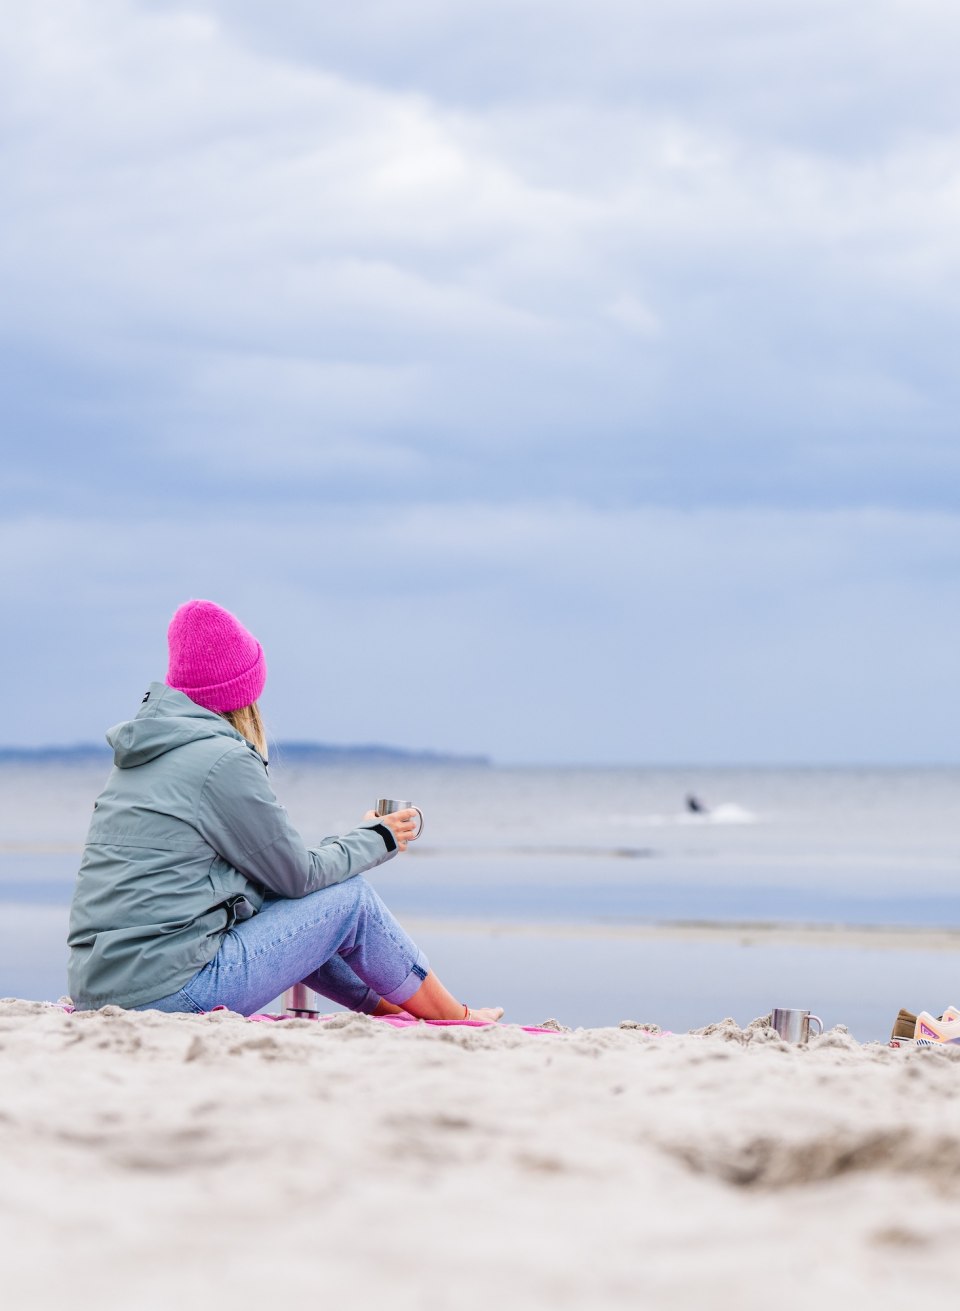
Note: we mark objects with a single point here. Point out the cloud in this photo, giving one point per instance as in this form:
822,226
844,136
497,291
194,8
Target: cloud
605,291
843,76
594,386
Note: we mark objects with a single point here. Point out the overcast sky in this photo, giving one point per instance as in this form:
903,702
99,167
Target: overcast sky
566,382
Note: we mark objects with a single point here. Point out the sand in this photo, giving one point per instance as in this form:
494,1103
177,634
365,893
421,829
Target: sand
744,933
154,1161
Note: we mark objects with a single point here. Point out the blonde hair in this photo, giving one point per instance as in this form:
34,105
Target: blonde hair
249,724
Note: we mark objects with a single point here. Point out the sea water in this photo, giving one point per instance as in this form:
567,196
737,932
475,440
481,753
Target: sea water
515,863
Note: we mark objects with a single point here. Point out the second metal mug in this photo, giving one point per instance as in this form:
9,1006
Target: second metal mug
794,1026
387,807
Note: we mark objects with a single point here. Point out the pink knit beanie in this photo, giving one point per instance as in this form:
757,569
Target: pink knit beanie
213,659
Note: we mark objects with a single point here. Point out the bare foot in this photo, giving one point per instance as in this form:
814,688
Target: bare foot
388,1008
431,1001
485,1014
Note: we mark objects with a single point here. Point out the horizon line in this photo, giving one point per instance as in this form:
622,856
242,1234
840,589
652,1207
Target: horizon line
14,751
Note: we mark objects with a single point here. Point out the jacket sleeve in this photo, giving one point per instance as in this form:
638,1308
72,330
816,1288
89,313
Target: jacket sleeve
241,818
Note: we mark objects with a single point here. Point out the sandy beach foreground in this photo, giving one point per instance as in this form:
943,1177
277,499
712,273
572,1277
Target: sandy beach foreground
152,1161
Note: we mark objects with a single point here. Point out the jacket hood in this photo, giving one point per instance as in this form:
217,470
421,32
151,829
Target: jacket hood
166,719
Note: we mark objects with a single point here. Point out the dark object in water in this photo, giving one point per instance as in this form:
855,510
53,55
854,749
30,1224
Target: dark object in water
695,805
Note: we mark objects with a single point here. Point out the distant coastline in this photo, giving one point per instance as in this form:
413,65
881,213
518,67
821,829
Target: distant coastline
321,752
282,753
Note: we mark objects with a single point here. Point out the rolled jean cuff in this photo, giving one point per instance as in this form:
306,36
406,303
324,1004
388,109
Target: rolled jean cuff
368,1004
418,972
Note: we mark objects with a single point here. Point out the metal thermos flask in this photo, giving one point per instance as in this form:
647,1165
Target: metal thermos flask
300,1002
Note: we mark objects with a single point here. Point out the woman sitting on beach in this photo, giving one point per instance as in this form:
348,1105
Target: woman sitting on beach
195,890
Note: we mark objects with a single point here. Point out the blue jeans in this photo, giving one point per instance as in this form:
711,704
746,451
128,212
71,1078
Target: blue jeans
341,941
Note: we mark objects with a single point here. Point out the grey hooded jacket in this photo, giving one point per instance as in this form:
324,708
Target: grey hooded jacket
186,839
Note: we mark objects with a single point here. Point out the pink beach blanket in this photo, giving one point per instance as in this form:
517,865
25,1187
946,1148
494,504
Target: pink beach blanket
408,1021
395,1021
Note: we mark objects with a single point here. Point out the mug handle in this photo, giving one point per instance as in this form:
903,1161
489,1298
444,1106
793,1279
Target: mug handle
420,830
819,1021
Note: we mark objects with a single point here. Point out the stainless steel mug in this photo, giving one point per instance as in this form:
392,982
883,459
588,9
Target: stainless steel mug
301,1002
794,1026
388,807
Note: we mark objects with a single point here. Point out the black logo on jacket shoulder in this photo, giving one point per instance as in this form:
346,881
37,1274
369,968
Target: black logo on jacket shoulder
146,698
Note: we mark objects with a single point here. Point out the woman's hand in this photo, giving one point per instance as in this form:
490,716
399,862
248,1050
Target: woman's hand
403,824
